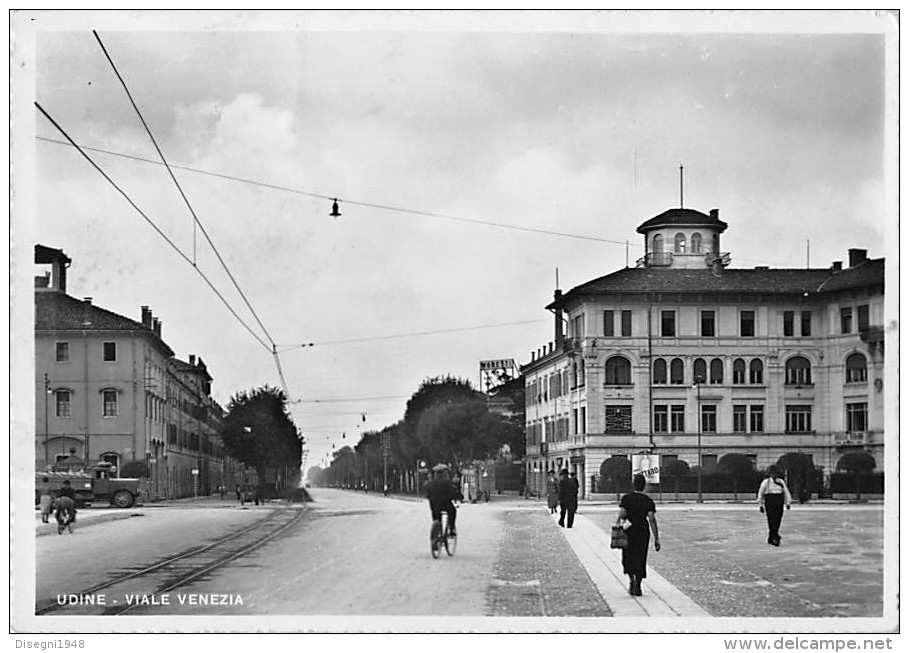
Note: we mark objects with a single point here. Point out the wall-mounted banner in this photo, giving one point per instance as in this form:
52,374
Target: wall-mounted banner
646,464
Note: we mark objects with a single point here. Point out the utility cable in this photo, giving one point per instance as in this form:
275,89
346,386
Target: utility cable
180,188
192,211
153,225
372,205
407,335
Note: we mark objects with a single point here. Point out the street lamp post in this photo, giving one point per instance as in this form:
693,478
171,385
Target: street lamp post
46,430
697,385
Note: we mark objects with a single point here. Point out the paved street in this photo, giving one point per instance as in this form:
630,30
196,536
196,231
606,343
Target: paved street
363,554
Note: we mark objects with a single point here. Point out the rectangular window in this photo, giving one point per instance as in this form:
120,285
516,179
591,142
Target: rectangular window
618,419
667,323
109,400
788,323
757,419
583,419
608,323
846,320
798,419
626,323
708,462
110,351
708,419
739,419
677,422
667,459
577,327
806,323
62,352
63,398
582,374
746,319
857,417
661,419
708,324
577,425
863,317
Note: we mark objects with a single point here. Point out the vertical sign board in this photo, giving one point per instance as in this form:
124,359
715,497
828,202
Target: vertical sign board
648,465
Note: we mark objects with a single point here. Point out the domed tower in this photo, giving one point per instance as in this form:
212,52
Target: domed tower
683,238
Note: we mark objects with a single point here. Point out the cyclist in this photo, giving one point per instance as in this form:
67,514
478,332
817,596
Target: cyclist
442,494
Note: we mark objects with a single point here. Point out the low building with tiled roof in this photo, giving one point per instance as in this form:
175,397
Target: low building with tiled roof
686,358
110,389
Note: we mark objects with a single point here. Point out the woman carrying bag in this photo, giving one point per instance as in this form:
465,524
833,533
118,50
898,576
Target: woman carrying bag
640,512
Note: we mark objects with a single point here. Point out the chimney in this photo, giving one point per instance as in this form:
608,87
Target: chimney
156,326
533,356
714,214
559,336
837,266
550,347
86,307
146,317
857,256
88,300
192,359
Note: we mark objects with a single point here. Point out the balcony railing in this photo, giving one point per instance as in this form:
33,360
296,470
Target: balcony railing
852,438
655,259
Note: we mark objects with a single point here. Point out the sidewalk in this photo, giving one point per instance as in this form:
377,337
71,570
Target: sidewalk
604,566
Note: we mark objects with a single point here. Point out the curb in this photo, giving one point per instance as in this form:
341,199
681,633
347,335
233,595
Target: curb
51,528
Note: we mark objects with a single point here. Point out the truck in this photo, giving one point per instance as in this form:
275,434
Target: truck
91,484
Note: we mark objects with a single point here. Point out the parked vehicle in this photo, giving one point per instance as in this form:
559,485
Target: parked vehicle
94,484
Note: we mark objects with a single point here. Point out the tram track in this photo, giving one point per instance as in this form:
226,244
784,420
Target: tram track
146,586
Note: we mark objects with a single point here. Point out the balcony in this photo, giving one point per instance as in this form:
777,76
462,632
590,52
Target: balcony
655,259
853,438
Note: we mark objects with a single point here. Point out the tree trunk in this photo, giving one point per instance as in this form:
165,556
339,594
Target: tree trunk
735,488
677,479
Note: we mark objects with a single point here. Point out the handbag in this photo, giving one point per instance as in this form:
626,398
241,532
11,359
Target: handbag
619,538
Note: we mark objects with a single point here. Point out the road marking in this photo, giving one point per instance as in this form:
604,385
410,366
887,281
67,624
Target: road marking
604,566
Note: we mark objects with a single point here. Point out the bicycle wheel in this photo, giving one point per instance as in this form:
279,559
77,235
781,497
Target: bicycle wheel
435,534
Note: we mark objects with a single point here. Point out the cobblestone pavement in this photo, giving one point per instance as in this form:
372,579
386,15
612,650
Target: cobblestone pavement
537,573
830,564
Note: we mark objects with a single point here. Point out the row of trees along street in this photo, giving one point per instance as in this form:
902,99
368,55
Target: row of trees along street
736,473
445,420
259,432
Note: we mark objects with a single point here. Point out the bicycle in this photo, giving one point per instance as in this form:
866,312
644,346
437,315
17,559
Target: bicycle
441,535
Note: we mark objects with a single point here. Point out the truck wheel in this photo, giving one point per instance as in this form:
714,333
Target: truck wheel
122,499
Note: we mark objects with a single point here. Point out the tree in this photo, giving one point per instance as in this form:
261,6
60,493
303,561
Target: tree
259,432
676,469
798,468
616,471
737,466
458,432
858,463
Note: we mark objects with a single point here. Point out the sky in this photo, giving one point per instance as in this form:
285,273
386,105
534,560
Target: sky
544,138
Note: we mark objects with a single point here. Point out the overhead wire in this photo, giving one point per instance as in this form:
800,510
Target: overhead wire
193,212
408,335
153,225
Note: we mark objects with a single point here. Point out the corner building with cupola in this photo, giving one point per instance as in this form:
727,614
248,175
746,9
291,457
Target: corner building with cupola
684,355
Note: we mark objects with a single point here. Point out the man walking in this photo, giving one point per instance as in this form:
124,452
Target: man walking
772,496
568,498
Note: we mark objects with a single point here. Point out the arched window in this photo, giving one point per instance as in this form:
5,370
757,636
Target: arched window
798,371
700,370
658,244
618,371
677,371
695,243
856,368
659,371
680,243
113,458
738,371
756,370
716,371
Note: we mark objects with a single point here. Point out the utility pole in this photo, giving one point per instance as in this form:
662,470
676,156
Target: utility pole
46,430
386,445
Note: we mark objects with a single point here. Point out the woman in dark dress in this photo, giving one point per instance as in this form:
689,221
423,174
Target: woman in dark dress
639,509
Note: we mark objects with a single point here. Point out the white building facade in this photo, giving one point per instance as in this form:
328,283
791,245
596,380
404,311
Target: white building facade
682,349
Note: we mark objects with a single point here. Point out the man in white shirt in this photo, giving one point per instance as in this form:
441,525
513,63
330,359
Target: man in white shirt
771,496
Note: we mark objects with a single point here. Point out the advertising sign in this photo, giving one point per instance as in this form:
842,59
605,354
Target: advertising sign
646,464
